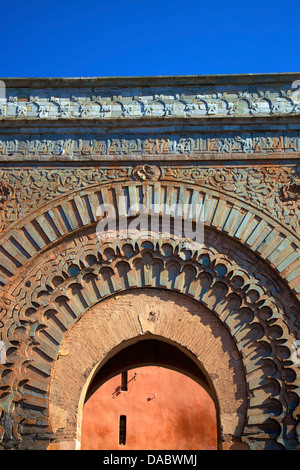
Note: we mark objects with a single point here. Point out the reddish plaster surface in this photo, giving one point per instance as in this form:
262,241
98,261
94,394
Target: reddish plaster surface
180,416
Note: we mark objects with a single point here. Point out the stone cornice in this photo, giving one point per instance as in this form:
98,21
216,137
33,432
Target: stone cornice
163,80
151,97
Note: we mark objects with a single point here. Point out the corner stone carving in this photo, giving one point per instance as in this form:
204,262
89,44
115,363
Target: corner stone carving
7,430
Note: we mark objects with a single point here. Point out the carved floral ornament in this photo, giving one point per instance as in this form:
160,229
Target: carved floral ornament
291,192
273,190
6,193
146,172
246,298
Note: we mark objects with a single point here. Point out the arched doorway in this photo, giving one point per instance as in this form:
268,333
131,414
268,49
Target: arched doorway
150,395
199,347
149,408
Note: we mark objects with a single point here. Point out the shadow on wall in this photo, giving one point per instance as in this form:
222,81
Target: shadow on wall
164,409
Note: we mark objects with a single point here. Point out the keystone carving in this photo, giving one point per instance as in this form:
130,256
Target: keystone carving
146,173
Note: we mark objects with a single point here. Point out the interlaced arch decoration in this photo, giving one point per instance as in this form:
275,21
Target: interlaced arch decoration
63,283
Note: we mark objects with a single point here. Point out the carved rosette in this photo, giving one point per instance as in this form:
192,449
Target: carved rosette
6,194
146,173
291,192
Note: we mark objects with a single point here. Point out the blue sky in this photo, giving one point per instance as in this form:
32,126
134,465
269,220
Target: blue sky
52,38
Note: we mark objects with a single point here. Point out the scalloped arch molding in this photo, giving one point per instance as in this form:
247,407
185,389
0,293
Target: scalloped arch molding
241,291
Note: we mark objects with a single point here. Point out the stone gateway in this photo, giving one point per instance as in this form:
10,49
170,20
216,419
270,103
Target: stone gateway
226,311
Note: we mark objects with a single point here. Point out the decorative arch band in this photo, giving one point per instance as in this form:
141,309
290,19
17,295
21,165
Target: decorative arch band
65,216
71,279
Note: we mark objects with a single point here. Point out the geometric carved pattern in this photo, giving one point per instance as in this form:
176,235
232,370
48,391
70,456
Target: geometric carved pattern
153,145
274,190
64,284
70,213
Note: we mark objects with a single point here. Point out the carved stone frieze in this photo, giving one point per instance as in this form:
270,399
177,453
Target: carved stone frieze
136,146
184,101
